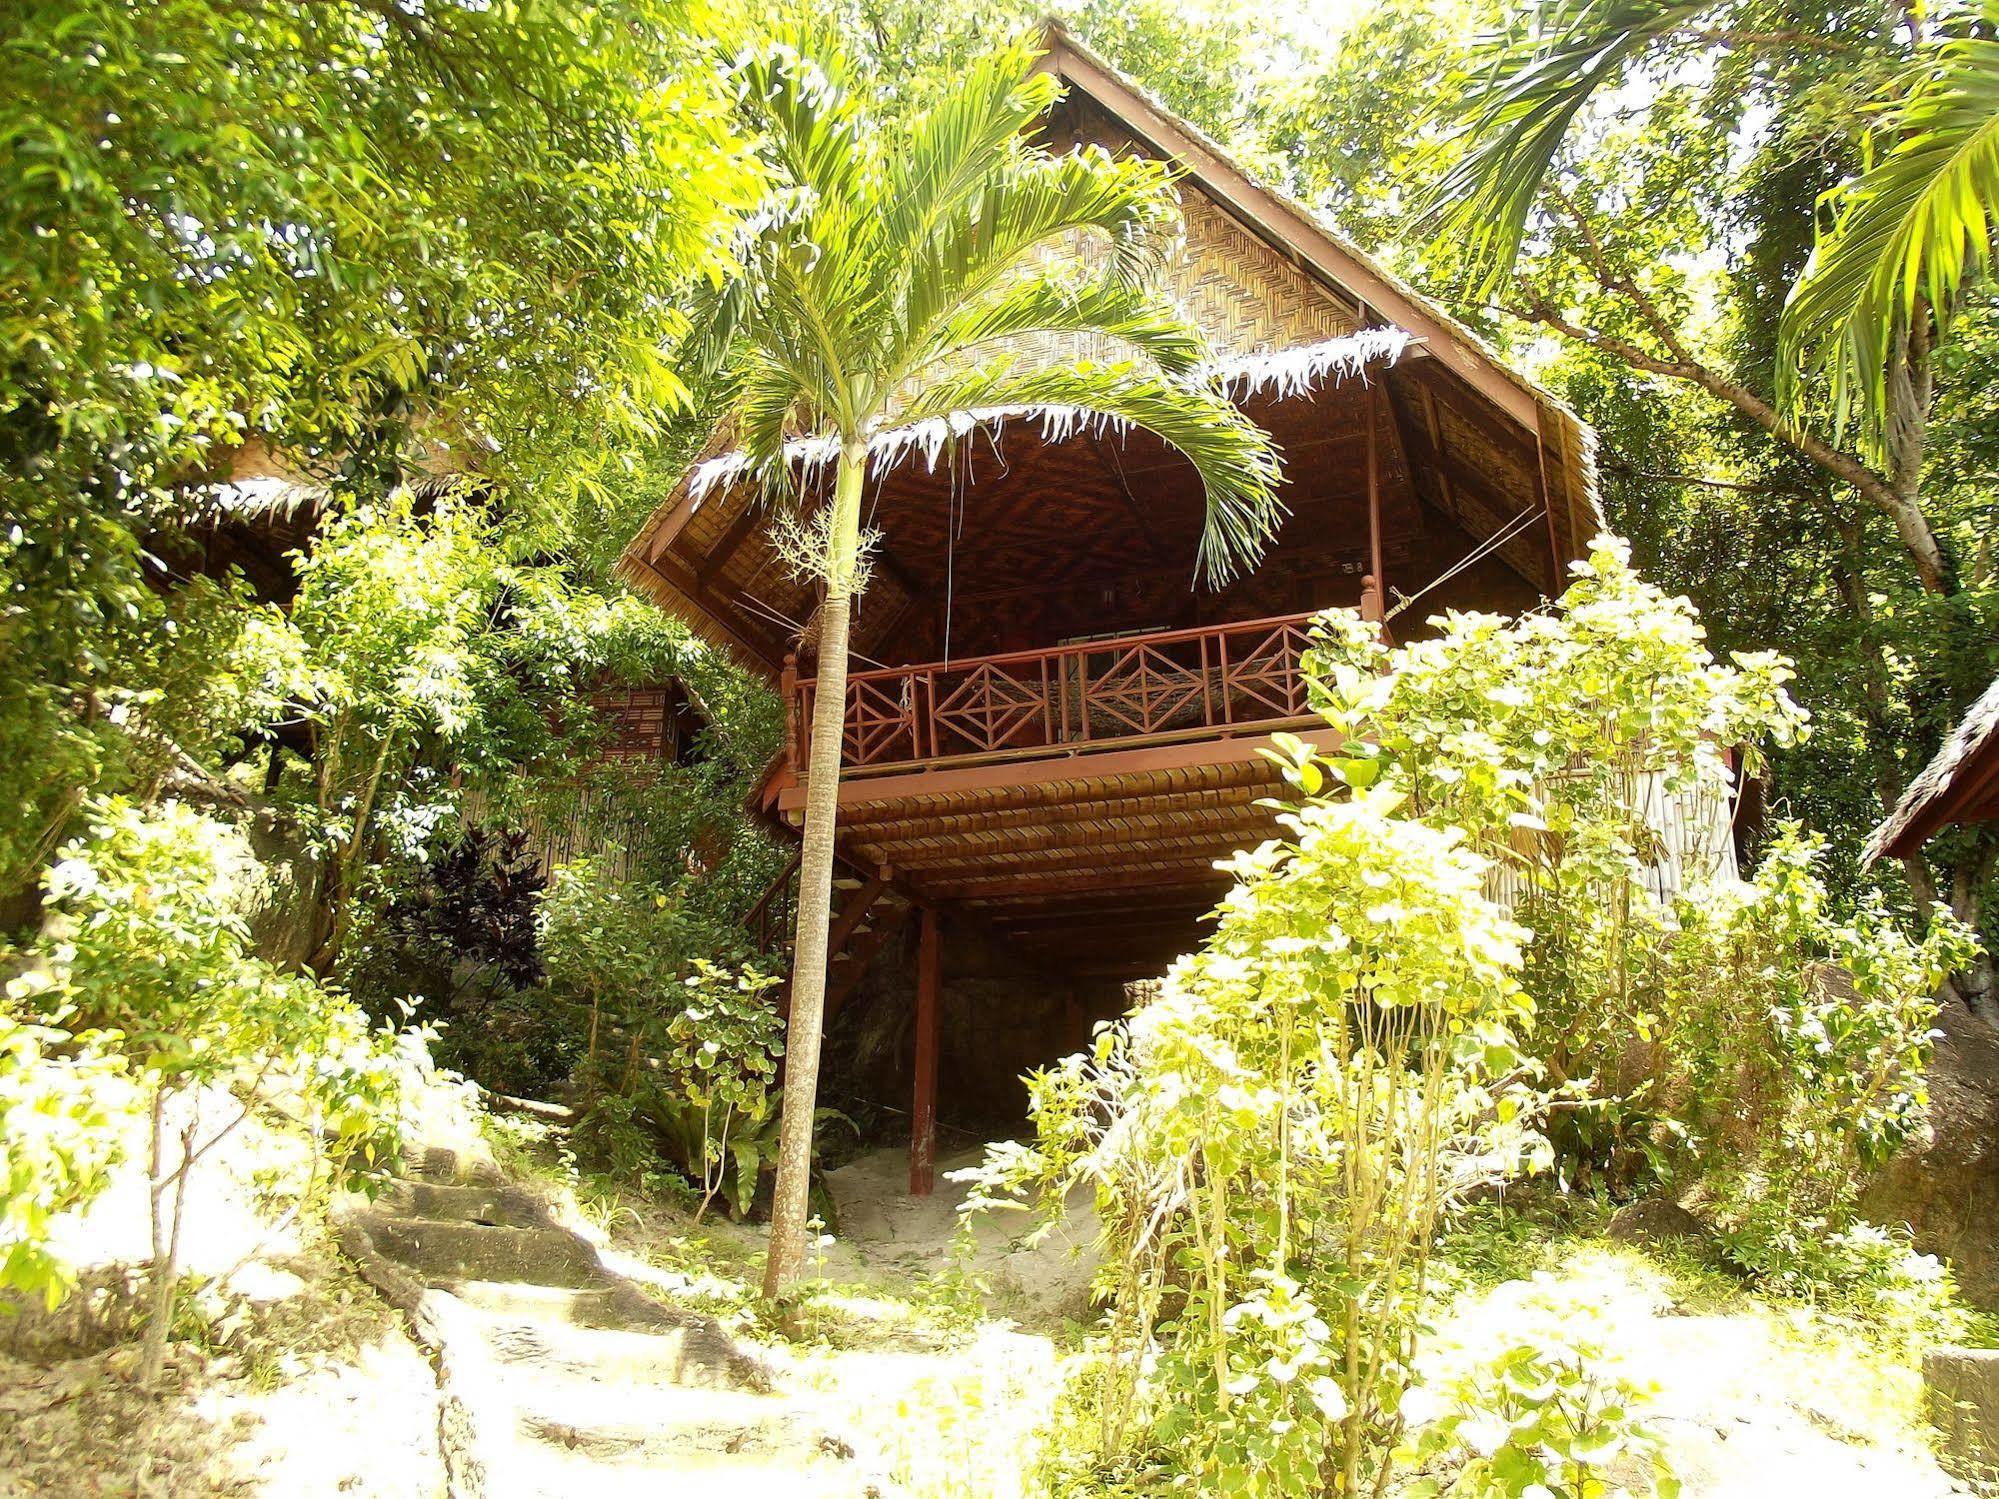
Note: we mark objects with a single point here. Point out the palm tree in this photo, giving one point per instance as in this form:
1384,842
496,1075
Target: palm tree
1901,238
881,288
1904,236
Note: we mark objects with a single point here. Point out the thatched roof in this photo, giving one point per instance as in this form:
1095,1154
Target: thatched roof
1960,785
1305,327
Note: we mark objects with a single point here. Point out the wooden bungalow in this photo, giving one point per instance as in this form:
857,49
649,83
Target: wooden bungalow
1052,728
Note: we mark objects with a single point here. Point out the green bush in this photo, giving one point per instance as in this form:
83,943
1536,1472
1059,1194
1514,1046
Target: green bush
1367,1036
680,1051
1273,1140
147,949
1705,1017
65,1107
1548,1416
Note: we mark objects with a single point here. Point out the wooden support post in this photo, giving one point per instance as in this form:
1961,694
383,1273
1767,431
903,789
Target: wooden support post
787,688
1555,569
1374,489
929,981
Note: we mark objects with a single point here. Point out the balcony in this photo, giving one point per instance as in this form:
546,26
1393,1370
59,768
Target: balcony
1122,692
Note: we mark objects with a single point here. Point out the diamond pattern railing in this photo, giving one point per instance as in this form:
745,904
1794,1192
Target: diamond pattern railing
1174,684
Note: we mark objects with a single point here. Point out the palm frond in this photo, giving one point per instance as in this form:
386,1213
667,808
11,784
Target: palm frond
1238,467
1035,202
1517,120
1144,322
949,151
766,406
1914,227
796,90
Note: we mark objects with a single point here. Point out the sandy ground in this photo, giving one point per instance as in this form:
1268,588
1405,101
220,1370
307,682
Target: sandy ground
289,1376
937,1353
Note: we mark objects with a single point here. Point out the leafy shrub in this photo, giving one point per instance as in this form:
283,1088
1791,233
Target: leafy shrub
64,1105
147,948
1704,1015
1272,1142
1367,1035
1872,1274
1548,1416
680,1051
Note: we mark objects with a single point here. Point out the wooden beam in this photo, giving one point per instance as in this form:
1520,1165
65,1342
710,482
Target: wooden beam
718,556
1376,566
919,826
1081,851
1252,774
1062,882
1060,829
923,1110
735,631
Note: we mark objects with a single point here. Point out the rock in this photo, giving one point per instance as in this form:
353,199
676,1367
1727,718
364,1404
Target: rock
1945,1187
1961,1386
1657,1221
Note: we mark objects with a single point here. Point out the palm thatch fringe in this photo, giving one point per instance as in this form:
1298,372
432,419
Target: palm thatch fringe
1288,373
1285,372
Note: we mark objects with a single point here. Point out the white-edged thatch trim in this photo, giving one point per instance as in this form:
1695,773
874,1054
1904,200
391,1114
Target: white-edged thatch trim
1294,372
1287,373
1917,814
265,497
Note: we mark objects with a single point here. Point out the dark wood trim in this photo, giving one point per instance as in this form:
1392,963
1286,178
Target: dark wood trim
717,557
1192,877
1248,746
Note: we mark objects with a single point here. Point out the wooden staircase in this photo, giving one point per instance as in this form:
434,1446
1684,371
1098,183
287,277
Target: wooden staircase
867,912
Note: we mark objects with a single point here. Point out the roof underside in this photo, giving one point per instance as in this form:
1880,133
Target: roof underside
1960,785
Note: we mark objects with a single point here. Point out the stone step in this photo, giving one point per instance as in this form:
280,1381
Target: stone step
697,1356
562,1306
476,1203
445,1253
542,1472
446,1164
616,1423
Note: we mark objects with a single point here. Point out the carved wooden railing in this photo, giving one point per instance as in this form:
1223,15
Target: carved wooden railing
1099,694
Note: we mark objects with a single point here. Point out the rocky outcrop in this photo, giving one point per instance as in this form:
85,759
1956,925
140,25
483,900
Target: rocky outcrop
1656,1221
1962,1389
1945,1187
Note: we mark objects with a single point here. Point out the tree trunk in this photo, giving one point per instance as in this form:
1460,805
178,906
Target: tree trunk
815,884
164,1280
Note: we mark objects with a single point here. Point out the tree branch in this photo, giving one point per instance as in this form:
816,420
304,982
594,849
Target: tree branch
1910,523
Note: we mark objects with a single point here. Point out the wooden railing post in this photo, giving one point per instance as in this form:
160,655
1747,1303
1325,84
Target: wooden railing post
1371,608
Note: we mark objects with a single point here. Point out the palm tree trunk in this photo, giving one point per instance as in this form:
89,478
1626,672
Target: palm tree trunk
815,884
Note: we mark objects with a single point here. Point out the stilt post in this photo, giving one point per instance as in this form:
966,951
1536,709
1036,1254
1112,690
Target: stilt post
929,983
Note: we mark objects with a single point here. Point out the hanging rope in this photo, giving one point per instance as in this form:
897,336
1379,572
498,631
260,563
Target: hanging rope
1498,539
953,518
